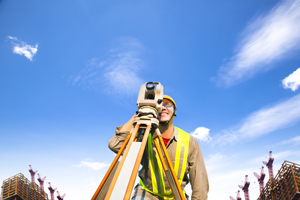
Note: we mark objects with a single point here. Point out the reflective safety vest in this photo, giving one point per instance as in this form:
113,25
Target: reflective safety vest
156,169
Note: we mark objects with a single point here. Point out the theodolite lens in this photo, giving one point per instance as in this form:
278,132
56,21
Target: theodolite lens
150,86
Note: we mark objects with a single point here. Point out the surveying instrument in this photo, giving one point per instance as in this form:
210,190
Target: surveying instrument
119,180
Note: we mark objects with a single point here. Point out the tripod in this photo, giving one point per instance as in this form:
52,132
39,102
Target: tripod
119,180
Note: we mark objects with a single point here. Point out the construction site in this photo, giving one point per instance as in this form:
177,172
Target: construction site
284,185
18,187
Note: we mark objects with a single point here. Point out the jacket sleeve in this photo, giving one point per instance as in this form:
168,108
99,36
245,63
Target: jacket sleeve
116,142
197,171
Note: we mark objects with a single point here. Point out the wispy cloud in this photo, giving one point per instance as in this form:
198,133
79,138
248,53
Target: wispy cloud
21,48
265,40
213,162
92,165
264,121
283,155
202,134
118,73
294,140
292,81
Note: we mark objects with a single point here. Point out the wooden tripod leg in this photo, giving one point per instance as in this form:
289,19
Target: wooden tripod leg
170,173
111,167
111,187
137,164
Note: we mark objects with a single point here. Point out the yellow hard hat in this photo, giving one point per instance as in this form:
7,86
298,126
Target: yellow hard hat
170,99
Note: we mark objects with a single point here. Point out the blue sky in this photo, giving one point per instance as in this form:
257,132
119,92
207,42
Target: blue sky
70,72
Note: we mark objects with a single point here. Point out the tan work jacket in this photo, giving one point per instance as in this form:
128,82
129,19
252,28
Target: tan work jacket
195,171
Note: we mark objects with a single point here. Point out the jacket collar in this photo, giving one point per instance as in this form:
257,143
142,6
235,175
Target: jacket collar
175,134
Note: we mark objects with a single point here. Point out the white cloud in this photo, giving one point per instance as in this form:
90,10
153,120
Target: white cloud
294,140
122,73
213,162
264,121
24,49
92,165
202,134
292,81
284,155
266,39
12,38
118,73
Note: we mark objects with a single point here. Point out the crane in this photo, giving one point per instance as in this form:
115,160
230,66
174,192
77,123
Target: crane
41,181
245,188
269,164
51,191
260,179
60,197
32,173
238,196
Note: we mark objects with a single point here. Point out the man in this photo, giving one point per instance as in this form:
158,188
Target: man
183,150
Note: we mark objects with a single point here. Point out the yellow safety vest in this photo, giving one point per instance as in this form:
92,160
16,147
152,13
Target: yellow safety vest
156,169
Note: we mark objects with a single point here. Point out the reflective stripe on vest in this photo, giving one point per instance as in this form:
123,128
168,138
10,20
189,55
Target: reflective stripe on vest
156,169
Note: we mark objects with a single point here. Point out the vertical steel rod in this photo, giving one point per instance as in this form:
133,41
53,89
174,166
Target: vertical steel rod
294,178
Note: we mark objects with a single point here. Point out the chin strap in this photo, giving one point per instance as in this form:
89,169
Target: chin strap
166,123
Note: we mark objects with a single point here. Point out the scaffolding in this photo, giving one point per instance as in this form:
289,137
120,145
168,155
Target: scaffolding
285,185
19,187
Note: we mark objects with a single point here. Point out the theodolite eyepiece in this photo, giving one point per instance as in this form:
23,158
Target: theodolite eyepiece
150,86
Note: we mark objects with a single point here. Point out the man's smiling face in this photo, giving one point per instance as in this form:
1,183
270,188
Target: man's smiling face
167,111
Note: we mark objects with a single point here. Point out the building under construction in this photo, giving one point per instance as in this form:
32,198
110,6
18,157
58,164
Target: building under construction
19,187
285,185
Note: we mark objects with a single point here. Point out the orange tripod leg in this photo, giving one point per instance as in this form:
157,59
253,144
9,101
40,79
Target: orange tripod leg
165,168
112,185
137,164
111,167
170,165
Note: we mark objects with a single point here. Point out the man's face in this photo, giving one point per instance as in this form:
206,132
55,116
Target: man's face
167,111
